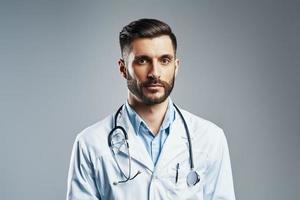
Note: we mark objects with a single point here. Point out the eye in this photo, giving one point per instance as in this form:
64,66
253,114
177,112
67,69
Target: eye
165,61
141,61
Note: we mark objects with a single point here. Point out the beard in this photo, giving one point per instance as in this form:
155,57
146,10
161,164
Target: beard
137,89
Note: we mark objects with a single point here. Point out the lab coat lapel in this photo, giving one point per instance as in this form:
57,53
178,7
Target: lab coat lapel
175,144
137,149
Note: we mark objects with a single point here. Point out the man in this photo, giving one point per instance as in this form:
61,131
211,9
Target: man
150,149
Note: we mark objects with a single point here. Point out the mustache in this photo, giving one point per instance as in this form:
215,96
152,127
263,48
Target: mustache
154,81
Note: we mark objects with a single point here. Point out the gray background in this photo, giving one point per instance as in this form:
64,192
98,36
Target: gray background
239,68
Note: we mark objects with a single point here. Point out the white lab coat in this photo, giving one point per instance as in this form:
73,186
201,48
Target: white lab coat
93,168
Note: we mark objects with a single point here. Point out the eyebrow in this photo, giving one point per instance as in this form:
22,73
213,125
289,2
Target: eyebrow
167,56
142,57
148,57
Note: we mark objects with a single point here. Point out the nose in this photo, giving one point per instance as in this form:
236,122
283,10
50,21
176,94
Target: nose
154,72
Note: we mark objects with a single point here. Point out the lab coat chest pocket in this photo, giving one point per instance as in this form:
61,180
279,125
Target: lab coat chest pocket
178,172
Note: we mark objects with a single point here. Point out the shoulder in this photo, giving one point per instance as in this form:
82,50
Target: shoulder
203,129
206,136
93,139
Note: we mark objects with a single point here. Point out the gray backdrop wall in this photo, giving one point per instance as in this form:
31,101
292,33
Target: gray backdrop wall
239,68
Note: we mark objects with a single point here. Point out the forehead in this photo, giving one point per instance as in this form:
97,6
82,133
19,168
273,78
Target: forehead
152,46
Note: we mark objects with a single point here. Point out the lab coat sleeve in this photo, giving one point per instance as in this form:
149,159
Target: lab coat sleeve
219,181
81,178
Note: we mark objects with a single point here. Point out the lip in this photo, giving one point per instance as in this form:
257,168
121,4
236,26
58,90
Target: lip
153,85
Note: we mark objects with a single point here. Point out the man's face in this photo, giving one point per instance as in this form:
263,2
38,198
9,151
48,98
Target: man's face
150,69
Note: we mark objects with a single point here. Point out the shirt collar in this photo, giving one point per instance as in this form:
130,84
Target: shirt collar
137,121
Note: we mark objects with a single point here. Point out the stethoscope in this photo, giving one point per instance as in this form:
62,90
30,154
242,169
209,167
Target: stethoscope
115,141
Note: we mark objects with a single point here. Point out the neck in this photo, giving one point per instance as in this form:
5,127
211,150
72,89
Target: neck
153,115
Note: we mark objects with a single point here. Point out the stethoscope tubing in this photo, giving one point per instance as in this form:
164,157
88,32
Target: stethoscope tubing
188,137
194,175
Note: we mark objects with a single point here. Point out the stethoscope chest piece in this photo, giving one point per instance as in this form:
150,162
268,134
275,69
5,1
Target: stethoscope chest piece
192,178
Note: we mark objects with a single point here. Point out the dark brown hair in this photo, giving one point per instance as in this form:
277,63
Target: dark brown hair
144,28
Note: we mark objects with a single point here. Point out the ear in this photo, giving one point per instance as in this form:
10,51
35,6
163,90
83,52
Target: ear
176,66
122,68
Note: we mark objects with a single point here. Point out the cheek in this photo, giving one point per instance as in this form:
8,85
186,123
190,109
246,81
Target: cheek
169,74
140,74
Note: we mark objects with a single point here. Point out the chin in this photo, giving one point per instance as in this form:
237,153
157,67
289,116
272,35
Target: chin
154,100
154,97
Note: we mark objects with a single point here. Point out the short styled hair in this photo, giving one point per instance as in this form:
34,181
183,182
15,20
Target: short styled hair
144,28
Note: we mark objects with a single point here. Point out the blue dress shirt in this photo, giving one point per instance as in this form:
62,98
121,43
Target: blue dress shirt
153,143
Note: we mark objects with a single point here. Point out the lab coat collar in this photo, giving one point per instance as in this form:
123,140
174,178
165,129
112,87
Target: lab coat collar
137,150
